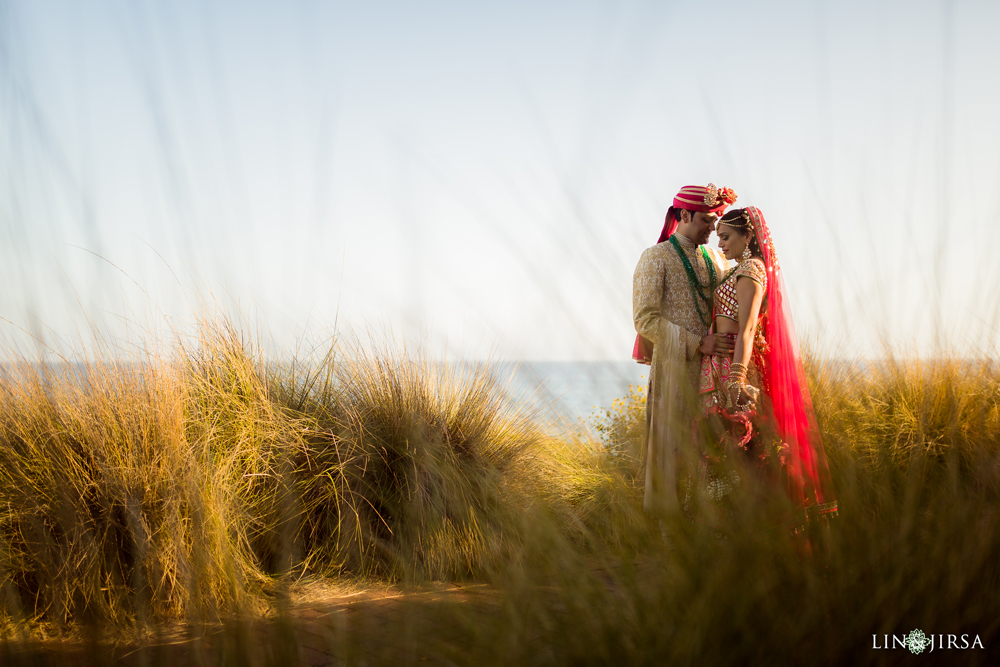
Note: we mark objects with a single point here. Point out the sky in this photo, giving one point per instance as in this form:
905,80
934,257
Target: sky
481,178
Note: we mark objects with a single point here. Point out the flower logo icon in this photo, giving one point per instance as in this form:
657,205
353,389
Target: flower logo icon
917,641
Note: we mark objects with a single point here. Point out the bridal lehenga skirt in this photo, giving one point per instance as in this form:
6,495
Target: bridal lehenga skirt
741,456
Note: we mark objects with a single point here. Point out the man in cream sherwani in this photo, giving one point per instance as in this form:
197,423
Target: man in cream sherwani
672,310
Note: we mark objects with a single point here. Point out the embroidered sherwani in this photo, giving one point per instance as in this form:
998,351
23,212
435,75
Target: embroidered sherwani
664,312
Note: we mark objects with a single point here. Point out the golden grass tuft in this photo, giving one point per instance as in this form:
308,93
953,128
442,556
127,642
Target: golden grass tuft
187,488
202,486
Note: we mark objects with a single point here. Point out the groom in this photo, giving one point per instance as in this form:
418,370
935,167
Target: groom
672,310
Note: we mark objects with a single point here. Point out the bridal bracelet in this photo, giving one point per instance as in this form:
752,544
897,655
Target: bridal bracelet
737,376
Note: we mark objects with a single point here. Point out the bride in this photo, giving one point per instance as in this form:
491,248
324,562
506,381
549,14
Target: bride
755,405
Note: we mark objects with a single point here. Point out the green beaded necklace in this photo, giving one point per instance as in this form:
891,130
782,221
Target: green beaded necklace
697,289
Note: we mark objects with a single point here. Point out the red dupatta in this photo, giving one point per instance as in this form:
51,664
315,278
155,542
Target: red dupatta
783,374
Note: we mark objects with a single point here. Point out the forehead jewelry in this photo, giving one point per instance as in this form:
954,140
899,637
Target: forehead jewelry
742,221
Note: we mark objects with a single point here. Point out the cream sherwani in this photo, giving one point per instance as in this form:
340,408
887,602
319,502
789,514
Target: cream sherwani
664,312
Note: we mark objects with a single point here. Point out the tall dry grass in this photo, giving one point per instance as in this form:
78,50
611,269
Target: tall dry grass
199,487
914,450
191,487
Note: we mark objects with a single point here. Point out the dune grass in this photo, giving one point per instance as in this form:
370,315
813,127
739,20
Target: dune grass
201,487
190,486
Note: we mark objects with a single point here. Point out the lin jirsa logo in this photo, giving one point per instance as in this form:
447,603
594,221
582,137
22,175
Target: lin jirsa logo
917,642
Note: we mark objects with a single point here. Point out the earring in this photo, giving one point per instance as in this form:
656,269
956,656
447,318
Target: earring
746,251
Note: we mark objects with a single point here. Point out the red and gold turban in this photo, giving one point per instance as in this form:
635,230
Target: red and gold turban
698,198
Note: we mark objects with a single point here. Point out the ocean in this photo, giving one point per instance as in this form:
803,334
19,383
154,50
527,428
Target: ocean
573,390
560,390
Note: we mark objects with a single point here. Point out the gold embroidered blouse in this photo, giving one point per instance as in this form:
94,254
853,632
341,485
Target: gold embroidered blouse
726,304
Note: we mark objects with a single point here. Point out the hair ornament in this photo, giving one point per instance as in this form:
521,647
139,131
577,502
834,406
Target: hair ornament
741,221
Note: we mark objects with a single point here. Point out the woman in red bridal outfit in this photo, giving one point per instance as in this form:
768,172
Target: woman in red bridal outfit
755,404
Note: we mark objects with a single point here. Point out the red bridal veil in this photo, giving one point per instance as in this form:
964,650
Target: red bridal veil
785,380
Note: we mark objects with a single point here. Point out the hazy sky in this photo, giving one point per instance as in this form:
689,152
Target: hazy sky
484,176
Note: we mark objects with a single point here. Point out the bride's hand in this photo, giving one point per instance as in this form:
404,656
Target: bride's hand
745,397
749,395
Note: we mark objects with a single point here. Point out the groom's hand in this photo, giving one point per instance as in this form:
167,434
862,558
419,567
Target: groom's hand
717,344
